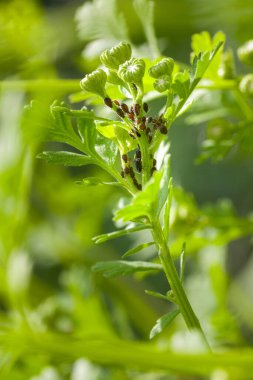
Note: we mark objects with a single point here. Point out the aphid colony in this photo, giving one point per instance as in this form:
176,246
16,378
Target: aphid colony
140,124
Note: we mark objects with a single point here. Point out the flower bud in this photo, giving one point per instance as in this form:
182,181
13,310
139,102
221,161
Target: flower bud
132,71
227,66
245,53
164,67
95,83
114,57
162,84
246,85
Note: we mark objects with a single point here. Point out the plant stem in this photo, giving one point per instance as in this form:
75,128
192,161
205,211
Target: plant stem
182,301
145,157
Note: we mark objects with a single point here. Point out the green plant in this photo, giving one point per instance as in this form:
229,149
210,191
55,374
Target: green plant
52,303
134,151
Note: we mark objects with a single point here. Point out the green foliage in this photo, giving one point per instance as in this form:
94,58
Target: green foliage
162,323
56,307
121,267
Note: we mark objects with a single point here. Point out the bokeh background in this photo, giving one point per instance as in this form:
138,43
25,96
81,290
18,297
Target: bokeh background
47,221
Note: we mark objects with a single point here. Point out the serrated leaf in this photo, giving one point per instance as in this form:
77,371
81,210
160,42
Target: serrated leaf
139,248
103,24
181,84
163,322
121,267
61,129
115,234
87,131
203,42
66,158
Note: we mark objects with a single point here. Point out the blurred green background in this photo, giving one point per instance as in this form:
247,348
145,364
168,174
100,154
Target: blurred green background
47,221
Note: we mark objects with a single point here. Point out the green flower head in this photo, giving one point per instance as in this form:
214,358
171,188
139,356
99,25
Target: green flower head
162,84
164,67
113,58
95,83
132,71
245,53
246,84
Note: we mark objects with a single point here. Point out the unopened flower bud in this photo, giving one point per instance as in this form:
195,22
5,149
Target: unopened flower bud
245,52
95,83
164,67
132,71
113,58
227,67
246,85
162,84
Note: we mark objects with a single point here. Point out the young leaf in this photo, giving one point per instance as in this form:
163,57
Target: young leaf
139,248
163,322
203,42
113,235
121,267
66,158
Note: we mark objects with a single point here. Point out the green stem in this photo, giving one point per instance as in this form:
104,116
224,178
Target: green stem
182,301
145,158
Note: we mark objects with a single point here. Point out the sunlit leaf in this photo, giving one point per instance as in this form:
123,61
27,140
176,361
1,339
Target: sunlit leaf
139,248
113,235
163,322
66,158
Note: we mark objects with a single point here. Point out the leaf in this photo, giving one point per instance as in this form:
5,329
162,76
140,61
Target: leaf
150,201
121,267
139,248
106,149
163,322
62,131
203,42
66,158
157,295
145,12
104,25
184,83
94,181
87,131
113,235
201,63
181,84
